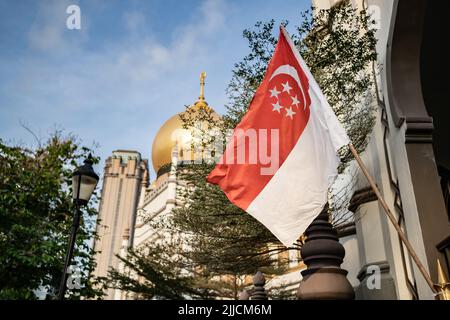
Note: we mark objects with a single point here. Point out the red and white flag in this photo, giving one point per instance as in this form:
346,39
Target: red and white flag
289,116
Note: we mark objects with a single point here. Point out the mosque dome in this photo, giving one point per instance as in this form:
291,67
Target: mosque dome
169,133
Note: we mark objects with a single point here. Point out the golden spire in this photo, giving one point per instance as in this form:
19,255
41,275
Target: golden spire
202,86
442,278
201,103
443,285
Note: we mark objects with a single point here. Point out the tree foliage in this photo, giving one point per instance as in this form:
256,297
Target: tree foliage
222,238
36,216
154,275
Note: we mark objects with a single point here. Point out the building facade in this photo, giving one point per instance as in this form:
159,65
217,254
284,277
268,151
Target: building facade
406,155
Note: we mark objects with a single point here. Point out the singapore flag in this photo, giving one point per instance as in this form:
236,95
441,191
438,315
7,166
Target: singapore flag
286,188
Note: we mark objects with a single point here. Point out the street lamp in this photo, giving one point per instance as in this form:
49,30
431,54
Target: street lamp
84,181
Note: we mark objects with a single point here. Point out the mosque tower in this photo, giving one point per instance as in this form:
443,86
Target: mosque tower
125,174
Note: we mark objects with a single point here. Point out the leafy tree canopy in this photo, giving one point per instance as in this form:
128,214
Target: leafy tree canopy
36,216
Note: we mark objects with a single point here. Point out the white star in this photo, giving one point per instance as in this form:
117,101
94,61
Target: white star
276,107
286,87
290,113
295,101
274,92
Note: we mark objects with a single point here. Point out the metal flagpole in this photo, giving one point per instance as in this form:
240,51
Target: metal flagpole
392,218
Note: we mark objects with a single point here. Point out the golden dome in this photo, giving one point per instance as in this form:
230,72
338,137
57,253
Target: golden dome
168,135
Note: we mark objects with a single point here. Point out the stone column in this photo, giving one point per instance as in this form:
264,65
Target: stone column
323,254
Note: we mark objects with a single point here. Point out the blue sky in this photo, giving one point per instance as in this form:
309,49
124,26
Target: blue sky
132,65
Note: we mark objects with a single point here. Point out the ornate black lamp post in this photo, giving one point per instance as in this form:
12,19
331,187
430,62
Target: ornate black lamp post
84,181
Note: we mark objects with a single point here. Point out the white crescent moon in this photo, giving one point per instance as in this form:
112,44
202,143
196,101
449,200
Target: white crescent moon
291,71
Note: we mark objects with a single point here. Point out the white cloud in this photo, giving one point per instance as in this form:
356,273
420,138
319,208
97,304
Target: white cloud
214,11
134,21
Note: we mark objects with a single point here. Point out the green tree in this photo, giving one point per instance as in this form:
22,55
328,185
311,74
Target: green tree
36,216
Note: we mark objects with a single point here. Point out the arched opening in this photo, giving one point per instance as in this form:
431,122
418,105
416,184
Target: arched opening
416,71
434,70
